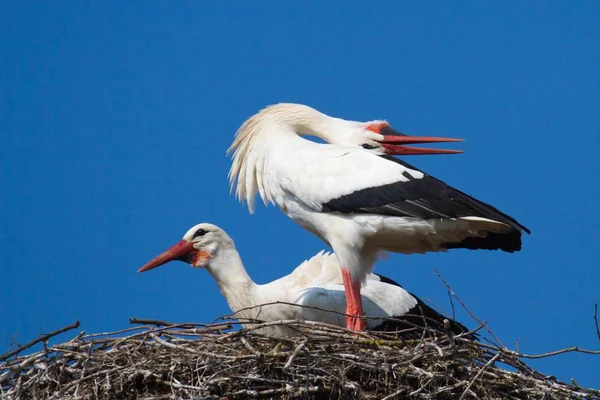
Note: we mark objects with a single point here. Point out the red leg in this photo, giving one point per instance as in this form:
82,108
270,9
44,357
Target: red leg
353,303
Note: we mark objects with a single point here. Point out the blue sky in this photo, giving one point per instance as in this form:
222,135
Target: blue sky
115,119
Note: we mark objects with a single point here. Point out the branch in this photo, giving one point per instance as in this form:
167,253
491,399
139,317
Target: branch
43,337
157,322
295,353
198,328
449,333
573,349
479,374
465,307
596,320
452,304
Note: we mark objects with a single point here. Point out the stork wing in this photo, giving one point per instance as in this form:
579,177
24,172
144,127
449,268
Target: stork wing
358,181
321,175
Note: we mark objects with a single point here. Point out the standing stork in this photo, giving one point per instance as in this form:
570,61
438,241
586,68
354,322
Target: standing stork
355,196
313,291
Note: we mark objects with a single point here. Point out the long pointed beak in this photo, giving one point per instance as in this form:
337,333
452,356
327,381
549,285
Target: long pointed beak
178,251
393,142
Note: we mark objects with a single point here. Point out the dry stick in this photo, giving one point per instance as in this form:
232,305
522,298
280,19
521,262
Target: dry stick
94,375
199,331
134,320
83,336
395,394
512,353
43,337
596,320
479,374
294,391
217,328
465,307
249,346
449,333
471,332
258,379
452,305
574,349
295,353
434,305
187,349
13,342
419,390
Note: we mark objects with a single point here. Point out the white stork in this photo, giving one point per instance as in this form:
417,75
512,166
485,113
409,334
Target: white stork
355,196
316,286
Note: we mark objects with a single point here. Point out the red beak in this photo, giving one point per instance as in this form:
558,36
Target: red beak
393,142
179,251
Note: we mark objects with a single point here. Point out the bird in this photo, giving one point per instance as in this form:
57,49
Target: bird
355,195
314,290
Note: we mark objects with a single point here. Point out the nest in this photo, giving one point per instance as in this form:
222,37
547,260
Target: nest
158,360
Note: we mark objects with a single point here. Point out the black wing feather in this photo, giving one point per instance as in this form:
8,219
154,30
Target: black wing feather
429,198
420,316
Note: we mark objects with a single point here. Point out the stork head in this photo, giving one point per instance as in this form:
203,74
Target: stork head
198,247
380,137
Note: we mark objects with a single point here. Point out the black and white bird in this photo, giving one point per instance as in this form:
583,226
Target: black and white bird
354,195
315,286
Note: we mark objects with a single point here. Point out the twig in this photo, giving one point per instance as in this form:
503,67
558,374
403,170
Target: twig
83,336
434,305
573,349
249,346
295,353
451,303
596,320
395,394
449,333
490,362
467,309
158,322
43,337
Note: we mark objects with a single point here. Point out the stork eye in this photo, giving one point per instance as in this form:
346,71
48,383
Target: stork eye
200,232
368,146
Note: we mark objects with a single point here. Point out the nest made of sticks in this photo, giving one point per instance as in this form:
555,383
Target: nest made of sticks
158,360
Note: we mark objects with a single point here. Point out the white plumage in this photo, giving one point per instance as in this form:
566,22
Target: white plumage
359,201
316,283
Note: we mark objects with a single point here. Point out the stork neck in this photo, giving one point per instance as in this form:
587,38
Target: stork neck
269,138
308,121
282,121
234,282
